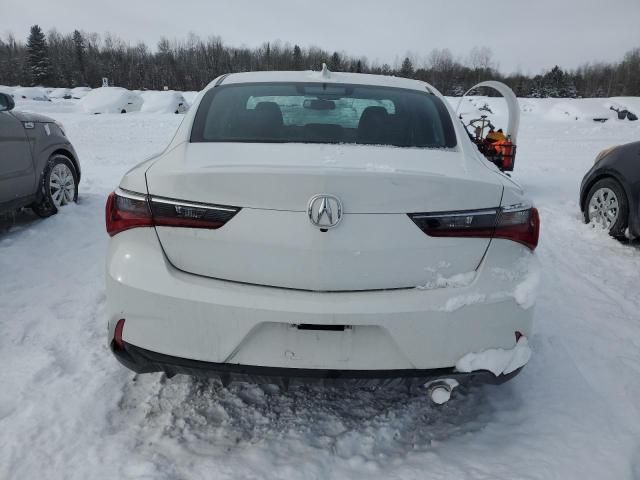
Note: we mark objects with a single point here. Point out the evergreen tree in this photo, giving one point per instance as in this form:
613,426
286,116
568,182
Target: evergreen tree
554,82
406,70
335,64
79,50
38,56
267,56
298,63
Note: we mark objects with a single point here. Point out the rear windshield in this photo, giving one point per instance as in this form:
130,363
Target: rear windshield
323,113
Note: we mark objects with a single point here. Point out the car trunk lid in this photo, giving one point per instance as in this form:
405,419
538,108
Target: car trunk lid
272,241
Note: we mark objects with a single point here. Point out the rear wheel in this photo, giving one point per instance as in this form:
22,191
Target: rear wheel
59,186
607,207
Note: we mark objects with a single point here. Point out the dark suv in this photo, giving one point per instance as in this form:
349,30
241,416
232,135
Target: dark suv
38,165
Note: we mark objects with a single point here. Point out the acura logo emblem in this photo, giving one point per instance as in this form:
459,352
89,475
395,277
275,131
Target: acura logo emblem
325,211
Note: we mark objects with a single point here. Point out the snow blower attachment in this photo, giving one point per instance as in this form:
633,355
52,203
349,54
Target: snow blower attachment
497,146
493,144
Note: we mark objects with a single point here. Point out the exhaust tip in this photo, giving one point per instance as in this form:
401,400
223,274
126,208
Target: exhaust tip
440,394
440,390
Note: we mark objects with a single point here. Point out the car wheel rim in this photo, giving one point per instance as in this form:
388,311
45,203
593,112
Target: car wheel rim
604,208
62,185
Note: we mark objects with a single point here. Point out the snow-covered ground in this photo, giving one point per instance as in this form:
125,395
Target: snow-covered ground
68,410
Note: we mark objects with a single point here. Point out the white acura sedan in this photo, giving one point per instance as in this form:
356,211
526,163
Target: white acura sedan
321,225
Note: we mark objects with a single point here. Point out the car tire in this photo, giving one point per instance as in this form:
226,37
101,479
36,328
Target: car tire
59,186
606,205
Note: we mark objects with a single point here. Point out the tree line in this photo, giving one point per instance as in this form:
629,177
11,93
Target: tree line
83,59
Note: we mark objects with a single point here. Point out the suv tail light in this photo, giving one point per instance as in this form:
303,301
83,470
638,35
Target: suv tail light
125,210
517,223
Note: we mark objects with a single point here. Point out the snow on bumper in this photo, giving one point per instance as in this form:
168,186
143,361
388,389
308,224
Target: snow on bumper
498,361
186,316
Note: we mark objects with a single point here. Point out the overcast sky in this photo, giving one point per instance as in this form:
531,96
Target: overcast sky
528,35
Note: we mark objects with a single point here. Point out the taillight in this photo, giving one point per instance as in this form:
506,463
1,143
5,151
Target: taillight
171,213
127,210
517,223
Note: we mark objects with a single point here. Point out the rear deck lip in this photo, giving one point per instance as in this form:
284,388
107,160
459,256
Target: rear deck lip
141,360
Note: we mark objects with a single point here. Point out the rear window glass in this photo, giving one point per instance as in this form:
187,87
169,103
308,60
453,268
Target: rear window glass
323,113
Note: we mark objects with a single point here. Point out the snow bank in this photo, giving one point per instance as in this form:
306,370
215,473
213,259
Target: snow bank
190,96
497,360
80,92
579,109
60,93
31,93
630,103
163,102
110,100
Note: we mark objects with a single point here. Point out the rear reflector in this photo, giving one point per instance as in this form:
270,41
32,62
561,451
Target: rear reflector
517,223
118,343
127,210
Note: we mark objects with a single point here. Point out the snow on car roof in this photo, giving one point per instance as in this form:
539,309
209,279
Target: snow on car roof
324,77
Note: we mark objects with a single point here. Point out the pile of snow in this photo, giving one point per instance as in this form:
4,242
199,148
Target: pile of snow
590,109
60,93
629,103
164,102
79,92
7,90
190,96
31,93
110,100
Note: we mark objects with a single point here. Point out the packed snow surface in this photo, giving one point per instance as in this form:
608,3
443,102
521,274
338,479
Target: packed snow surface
69,410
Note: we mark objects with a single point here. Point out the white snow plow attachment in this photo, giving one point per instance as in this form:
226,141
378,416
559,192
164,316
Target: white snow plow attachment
498,146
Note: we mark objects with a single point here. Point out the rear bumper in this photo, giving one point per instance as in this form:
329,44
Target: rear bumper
188,319
141,360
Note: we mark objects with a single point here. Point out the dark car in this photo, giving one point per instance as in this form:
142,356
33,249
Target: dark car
38,166
610,191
